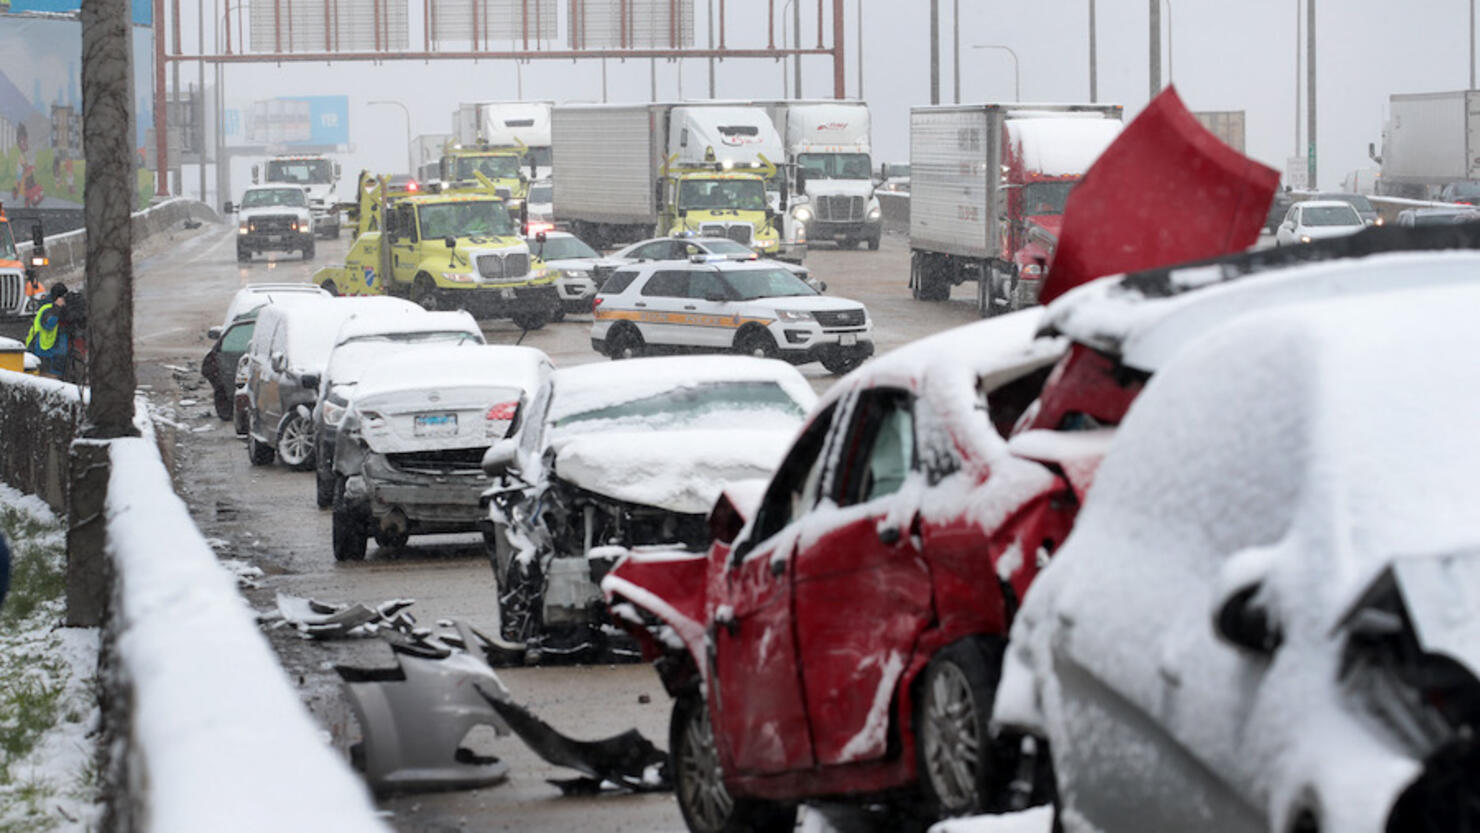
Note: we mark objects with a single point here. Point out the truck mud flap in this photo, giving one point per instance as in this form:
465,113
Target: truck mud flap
627,761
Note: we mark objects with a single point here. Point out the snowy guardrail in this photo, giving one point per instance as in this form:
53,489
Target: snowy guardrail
38,419
67,251
213,735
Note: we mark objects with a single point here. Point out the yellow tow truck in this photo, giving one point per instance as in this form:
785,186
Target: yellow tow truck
717,201
465,167
444,251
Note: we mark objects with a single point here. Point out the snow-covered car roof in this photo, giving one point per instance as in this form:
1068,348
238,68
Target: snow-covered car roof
452,366
1144,322
254,295
313,327
408,322
604,384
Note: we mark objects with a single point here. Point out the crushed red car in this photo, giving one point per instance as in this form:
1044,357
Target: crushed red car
843,635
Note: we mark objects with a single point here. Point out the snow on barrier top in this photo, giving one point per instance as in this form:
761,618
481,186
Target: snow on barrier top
219,739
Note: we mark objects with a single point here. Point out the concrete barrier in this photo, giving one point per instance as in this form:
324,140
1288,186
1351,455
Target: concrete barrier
68,252
38,419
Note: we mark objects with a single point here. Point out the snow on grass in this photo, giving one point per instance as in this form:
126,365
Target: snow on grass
48,703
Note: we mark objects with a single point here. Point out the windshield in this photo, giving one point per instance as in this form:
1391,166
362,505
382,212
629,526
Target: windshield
493,167
727,247
1330,215
1046,198
7,242
1444,218
301,171
564,248
750,284
259,197
438,337
707,405
1465,189
1356,201
712,194
484,218
541,193
836,165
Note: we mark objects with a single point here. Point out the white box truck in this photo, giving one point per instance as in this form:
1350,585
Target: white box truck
426,156
1431,140
988,184
508,124
634,171
828,147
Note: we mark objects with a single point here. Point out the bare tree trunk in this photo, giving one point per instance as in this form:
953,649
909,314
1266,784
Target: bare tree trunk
108,198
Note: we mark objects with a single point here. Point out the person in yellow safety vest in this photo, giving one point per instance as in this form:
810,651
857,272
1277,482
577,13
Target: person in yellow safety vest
47,339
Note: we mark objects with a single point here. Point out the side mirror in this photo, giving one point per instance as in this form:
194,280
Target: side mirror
801,180
213,333
450,242
256,172
1243,620
38,239
821,286
884,171
278,362
540,237
228,208
337,171
310,380
498,460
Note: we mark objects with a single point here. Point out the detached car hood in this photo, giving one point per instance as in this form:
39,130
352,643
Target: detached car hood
679,471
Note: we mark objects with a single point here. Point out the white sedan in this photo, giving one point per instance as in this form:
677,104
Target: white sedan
1317,220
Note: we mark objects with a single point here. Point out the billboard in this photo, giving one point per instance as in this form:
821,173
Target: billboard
142,11
649,24
327,26
41,163
283,123
498,21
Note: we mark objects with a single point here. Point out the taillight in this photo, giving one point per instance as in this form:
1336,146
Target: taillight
502,412
595,302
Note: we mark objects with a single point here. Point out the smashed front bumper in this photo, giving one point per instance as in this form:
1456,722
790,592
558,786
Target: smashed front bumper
418,501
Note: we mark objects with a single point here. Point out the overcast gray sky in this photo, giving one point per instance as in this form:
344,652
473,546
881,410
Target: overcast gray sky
1236,55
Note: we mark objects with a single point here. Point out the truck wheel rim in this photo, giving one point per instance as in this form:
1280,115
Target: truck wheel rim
949,736
293,445
700,781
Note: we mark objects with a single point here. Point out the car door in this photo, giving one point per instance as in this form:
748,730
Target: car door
403,229
712,322
870,557
1286,234
234,342
660,304
755,701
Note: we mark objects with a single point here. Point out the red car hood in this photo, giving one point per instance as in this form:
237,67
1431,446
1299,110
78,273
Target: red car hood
1166,191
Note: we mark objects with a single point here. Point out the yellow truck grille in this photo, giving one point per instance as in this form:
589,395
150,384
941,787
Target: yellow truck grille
498,267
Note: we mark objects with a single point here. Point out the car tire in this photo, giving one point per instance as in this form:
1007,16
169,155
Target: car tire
224,406
309,251
242,255
259,453
350,540
927,282
558,314
330,287
698,781
840,364
531,319
295,442
756,342
424,293
625,342
873,244
953,711
324,481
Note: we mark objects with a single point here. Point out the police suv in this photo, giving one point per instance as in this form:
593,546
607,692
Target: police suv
719,304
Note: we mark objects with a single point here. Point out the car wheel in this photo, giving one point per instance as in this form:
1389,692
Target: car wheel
295,442
349,528
960,771
242,255
330,287
531,319
756,342
224,406
558,314
259,453
424,293
323,485
698,780
625,342
840,363
928,282
309,251
873,244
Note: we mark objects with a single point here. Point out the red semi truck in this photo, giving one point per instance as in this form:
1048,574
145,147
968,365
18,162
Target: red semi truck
987,193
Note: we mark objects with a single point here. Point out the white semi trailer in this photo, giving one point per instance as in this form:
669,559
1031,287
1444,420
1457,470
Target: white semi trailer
1431,140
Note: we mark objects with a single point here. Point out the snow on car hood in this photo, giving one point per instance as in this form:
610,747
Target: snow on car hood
680,471
583,388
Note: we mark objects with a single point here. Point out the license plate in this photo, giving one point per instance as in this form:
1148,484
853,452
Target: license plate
848,340
434,425
507,294
274,238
